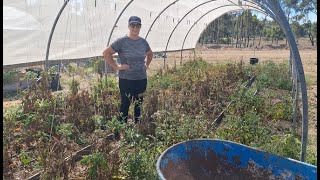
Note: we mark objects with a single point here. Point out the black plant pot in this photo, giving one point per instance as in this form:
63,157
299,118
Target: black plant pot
254,60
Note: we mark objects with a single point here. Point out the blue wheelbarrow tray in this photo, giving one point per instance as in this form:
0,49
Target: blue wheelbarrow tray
225,160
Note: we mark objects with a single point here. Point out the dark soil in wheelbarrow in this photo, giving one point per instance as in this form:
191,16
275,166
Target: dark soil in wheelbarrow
214,167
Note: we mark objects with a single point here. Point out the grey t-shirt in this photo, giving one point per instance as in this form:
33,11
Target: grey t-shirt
133,53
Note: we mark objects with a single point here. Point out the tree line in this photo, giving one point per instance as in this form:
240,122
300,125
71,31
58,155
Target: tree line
245,29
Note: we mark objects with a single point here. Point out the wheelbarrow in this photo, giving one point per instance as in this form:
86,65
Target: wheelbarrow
224,160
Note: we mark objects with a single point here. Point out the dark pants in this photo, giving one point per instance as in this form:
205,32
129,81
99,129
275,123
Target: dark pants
131,90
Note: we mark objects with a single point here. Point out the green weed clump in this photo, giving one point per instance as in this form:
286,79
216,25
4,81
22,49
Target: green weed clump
271,75
139,163
247,129
287,145
97,164
281,111
106,96
10,76
312,157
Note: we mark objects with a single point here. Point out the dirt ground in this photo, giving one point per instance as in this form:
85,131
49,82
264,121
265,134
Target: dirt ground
230,55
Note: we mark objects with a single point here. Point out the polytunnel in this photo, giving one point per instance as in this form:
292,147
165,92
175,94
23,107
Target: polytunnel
43,31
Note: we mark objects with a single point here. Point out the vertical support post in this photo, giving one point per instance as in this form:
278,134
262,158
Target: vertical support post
164,59
296,101
114,25
158,17
46,64
194,54
181,56
294,92
165,52
292,72
275,7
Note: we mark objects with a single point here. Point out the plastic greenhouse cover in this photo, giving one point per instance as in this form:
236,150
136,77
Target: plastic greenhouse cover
85,26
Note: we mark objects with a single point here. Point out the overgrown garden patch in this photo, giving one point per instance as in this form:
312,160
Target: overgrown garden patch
181,103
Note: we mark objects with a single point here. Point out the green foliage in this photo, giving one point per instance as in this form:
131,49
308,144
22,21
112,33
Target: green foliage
192,128
246,130
72,68
140,165
29,76
106,83
53,69
225,40
42,105
161,81
66,130
271,75
287,145
29,120
273,31
12,118
299,31
245,101
138,162
98,66
10,76
100,121
74,86
164,80
312,158
13,114
281,111
115,125
25,159
174,127
105,93
97,165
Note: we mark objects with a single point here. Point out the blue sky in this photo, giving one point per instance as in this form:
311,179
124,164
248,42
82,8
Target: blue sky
311,16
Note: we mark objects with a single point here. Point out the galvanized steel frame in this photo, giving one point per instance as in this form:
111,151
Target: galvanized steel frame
272,7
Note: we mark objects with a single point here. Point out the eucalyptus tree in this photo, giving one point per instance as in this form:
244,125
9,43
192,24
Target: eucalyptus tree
311,30
260,28
305,8
298,10
273,32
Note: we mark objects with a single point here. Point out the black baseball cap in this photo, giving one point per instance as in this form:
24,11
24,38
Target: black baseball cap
134,20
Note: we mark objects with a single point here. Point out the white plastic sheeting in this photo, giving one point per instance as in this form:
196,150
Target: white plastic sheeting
84,27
